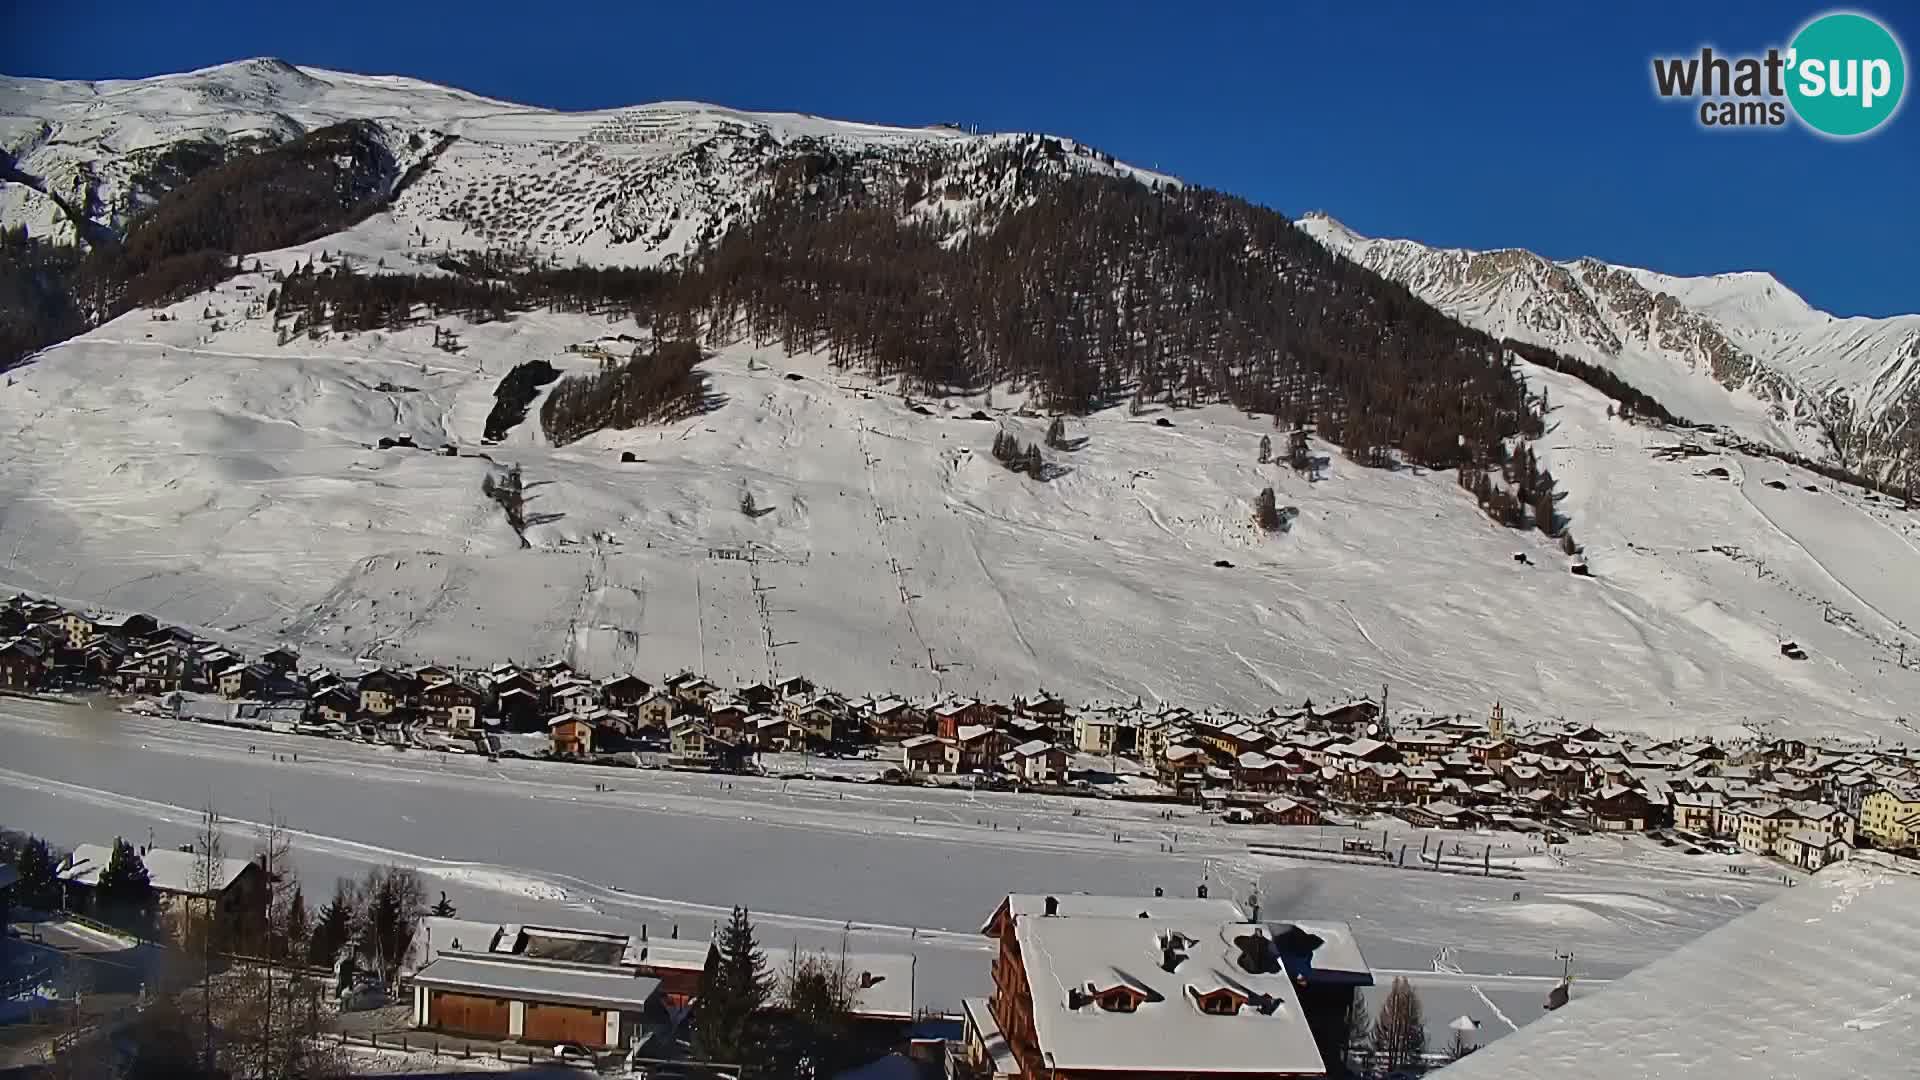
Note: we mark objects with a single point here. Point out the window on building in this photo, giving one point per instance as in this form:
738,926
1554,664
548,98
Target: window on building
1221,1004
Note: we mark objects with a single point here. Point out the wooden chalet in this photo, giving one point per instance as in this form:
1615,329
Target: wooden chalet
572,736
455,704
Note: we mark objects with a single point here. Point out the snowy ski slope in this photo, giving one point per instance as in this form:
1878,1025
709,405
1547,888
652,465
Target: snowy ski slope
223,481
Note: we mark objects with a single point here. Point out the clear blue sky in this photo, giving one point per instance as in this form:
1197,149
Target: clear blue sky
1470,124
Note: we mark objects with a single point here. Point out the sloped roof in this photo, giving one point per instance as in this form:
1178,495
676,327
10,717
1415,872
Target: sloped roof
1089,906
168,870
1817,984
501,977
1168,1031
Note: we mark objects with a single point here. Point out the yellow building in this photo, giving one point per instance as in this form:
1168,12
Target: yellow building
1760,826
1888,816
78,628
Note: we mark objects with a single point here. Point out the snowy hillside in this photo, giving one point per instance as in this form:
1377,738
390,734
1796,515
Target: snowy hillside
194,467
1739,350
213,477
631,186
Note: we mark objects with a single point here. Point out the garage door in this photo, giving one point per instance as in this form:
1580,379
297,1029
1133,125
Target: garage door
565,1023
469,1015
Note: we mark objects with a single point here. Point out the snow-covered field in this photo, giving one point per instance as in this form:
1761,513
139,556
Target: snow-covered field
883,868
222,481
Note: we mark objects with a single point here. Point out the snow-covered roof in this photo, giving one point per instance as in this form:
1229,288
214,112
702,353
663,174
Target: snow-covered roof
1817,984
538,982
1090,906
1813,838
1338,955
1070,962
1358,747
442,934
169,871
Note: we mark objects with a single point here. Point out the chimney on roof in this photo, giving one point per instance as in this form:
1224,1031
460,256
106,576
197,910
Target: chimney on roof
1203,890
1053,905
643,931
1173,949
1158,891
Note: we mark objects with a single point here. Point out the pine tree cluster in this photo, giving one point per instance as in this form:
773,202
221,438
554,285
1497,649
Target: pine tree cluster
1528,496
1019,457
653,386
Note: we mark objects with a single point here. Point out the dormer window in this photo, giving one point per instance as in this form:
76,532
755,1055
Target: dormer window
1219,1005
1221,1002
1119,998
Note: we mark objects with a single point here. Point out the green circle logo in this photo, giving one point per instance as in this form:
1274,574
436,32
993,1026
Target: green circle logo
1846,74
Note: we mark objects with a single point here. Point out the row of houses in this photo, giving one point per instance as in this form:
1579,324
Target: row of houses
1783,799
1438,769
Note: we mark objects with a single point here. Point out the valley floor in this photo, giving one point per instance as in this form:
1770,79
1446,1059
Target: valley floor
882,869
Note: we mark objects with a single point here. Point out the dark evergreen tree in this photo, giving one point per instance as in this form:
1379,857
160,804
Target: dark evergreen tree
39,884
297,928
1266,512
124,895
733,990
1266,448
1543,516
333,929
1356,1027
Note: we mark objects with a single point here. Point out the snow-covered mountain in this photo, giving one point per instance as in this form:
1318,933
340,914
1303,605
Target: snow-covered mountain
196,467
630,186
203,463
1740,350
